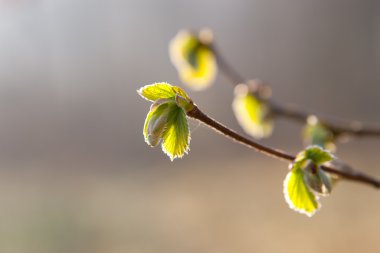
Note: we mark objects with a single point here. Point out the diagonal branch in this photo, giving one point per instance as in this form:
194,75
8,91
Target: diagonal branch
199,115
352,128
343,172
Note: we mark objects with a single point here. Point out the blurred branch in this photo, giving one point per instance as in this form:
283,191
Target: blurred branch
339,169
350,128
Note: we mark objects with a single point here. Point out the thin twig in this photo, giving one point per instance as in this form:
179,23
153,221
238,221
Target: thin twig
351,174
229,72
354,175
199,115
354,128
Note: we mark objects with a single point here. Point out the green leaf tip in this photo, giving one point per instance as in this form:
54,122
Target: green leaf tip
166,120
193,58
306,181
252,113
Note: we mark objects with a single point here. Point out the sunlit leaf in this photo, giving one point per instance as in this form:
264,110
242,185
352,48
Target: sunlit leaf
306,180
314,153
157,91
193,59
298,195
176,137
155,124
315,133
166,120
252,114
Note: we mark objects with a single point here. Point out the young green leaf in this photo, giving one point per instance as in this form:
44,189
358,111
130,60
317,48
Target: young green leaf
193,59
314,153
157,91
252,113
176,137
155,124
315,133
166,120
306,180
298,195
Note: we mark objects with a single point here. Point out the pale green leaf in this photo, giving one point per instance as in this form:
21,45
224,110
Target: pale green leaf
157,91
194,61
306,180
163,92
315,133
176,137
155,123
298,195
310,161
316,154
166,119
253,115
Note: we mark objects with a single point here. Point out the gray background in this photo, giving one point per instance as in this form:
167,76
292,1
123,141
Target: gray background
77,175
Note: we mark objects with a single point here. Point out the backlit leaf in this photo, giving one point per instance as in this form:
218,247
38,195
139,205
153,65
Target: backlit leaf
166,120
157,91
298,195
155,123
253,115
306,180
315,133
193,59
176,138
314,153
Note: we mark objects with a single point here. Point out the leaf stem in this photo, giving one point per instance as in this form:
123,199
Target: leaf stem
353,128
351,174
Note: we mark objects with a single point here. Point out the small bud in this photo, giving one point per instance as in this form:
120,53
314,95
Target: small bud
184,103
241,90
206,36
317,180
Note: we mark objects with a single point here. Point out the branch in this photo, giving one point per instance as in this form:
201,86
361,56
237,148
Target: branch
344,172
354,128
229,72
199,115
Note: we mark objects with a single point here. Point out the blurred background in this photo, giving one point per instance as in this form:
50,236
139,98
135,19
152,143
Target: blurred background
77,176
